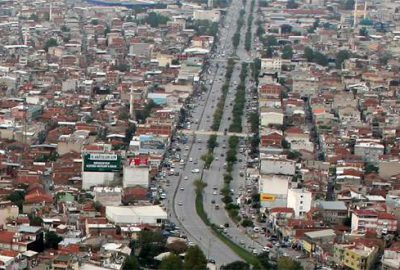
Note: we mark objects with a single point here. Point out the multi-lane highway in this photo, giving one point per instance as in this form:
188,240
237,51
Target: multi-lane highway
181,193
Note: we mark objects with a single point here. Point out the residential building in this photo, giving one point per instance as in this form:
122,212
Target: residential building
368,220
108,196
333,212
355,256
300,200
369,151
273,190
391,259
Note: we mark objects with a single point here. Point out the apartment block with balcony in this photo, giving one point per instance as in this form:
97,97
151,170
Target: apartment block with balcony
368,220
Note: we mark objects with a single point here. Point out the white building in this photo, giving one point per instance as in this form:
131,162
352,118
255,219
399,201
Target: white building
270,116
108,196
211,15
274,164
271,65
370,151
300,200
136,176
152,214
273,190
93,179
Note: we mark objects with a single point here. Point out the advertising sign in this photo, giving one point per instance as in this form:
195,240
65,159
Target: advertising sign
150,142
264,197
101,163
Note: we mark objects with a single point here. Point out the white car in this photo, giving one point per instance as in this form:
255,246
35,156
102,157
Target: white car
214,192
266,249
185,178
195,171
182,188
180,203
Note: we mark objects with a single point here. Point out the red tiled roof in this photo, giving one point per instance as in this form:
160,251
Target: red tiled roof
384,215
282,210
365,213
6,237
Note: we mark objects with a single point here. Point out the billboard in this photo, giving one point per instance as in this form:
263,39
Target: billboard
152,143
264,197
139,161
101,163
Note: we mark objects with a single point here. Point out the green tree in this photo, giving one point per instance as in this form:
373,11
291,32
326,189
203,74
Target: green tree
287,52
34,17
366,21
264,260
151,244
384,58
175,62
287,263
195,259
370,168
269,53
349,4
286,28
260,31
247,223
320,59
199,185
208,159
237,265
347,221
271,41
123,67
308,54
129,132
36,221
131,263
291,4
94,22
50,43
212,142
363,32
342,56
171,262
52,239
17,197
154,19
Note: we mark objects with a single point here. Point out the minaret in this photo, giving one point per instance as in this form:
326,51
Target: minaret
355,14
51,12
131,112
365,9
26,37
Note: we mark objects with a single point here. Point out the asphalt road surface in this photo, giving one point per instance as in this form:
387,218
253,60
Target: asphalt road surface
181,192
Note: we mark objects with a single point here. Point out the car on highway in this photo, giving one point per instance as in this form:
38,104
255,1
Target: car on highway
195,171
